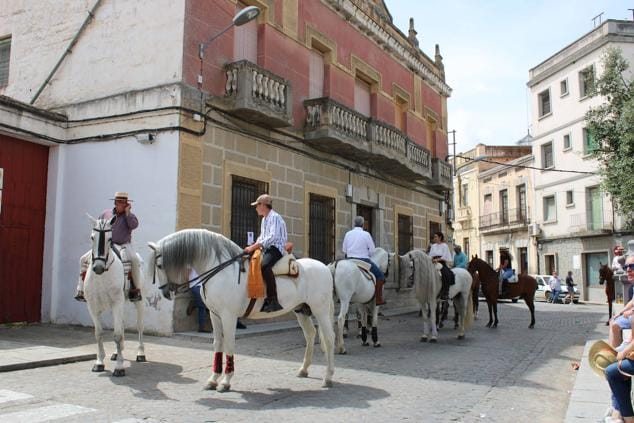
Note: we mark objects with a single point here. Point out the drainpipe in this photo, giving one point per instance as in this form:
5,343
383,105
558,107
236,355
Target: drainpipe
91,14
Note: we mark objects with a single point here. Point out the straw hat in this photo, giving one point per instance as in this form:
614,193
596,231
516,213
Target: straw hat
120,195
263,199
600,356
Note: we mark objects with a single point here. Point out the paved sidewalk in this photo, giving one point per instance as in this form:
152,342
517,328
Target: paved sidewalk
590,395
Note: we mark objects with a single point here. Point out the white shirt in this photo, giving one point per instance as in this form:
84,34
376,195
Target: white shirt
555,283
441,250
616,266
358,243
273,232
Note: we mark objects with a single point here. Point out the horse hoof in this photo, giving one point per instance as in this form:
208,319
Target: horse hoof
98,368
345,335
433,340
342,351
607,323
211,386
223,387
423,339
327,384
531,326
460,336
365,344
118,372
140,358
377,344
302,373
113,357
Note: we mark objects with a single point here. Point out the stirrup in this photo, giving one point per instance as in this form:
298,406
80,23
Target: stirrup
80,296
134,295
271,306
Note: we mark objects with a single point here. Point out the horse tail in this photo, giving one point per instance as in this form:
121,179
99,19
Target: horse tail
468,318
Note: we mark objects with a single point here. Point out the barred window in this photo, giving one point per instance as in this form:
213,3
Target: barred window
321,228
244,218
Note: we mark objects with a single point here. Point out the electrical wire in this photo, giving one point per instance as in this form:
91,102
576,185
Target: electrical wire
550,169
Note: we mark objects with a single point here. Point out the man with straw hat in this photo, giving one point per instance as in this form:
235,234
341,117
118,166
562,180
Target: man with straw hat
122,229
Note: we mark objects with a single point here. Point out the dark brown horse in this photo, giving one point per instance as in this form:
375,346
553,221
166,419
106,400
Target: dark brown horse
606,276
524,288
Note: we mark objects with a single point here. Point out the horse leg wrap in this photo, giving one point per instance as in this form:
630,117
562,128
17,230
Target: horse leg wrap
229,366
375,335
217,362
364,334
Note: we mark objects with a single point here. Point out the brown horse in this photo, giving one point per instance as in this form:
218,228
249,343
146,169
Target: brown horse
606,276
524,288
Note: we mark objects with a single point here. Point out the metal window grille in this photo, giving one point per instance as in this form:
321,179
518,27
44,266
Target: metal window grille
405,234
321,229
433,228
244,218
5,55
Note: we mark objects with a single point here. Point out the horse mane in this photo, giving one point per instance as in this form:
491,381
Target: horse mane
183,249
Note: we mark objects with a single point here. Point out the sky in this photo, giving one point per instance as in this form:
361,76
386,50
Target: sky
488,47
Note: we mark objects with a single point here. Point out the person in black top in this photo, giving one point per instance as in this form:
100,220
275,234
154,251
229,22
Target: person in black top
570,285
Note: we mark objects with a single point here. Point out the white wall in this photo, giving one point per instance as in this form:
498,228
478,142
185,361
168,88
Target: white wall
82,179
567,118
129,45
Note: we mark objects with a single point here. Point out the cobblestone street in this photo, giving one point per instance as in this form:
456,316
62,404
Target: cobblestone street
506,374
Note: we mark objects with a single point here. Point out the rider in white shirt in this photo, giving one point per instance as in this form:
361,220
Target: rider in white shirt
358,244
440,253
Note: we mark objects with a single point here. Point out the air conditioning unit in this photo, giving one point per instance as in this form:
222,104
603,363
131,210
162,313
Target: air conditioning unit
534,229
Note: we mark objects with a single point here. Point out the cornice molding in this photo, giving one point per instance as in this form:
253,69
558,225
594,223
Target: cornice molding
376,31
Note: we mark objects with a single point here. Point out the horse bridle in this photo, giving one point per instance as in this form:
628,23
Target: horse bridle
201,279
101,248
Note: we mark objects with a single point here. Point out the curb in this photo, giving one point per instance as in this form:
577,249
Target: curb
46,363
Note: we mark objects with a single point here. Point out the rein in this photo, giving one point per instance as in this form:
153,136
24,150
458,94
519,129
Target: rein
201,279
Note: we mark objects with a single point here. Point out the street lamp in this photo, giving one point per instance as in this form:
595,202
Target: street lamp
243,16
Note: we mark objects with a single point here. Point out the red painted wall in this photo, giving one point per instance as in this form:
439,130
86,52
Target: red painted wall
22,229
290,59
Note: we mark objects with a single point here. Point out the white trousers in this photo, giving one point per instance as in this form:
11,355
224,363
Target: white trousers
127,254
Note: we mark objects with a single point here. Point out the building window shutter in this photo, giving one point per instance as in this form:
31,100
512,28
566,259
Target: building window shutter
316,74
362,97
245,42
5,55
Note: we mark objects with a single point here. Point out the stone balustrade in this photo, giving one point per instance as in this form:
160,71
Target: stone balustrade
258,94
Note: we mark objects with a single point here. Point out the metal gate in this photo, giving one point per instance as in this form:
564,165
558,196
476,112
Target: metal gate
244,218
22,212
321,232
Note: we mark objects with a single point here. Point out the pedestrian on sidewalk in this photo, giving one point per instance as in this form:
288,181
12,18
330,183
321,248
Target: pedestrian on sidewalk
555,287
619,374
570,286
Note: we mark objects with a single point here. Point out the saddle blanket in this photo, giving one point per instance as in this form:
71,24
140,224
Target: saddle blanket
256,287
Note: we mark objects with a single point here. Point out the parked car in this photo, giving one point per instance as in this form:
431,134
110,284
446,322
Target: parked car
544,291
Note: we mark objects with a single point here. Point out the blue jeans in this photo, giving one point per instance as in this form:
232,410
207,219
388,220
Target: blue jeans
554,295
621,385
202,309
623,322
373,268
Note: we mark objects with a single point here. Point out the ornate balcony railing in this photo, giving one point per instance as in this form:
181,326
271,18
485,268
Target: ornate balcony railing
333,127
441,174
512,218
257,94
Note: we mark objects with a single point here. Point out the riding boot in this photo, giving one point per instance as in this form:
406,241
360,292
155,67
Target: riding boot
378,291
270,303
79,296
134,294
444,292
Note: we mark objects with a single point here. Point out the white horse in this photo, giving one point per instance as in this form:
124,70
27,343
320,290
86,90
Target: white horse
418,270
104,290
352,286
460,292
217,260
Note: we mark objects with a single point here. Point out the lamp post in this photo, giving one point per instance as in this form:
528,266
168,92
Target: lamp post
242,17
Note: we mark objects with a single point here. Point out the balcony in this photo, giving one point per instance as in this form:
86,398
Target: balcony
337,129
257,95
505,221
463,213
580,224
441,175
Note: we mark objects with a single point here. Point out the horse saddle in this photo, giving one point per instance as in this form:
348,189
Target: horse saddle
286,266
364,267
